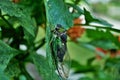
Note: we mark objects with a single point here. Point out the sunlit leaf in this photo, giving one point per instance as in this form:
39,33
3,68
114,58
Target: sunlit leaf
79,53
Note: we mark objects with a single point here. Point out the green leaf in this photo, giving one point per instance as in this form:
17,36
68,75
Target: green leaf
78,68
13,69
79,53
22,15
43,68
85,78
3,23
108,44
29,38
6,54
3,76
58,13
90,18
22,77
101,37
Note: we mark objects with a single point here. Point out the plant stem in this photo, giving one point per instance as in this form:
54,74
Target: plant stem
102,27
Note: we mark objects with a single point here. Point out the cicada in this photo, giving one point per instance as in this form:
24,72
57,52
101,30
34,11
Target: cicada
59,51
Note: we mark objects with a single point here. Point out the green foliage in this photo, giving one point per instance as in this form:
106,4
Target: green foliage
77,8
19,24
22,15
59,10
57,13
3,76
89,18
85,78
13,69
104,37
43,67
6,54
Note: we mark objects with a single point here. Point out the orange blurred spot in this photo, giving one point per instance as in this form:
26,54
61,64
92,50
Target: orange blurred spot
118,52
76,31
77,21
119,38
113,53
98,57
100,50
15,1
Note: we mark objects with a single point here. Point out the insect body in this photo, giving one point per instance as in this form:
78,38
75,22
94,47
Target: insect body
59,51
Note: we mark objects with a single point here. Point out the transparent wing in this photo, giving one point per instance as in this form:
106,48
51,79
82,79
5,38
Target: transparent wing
64,67
60,55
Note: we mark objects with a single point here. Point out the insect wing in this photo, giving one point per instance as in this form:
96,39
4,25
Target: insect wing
64,67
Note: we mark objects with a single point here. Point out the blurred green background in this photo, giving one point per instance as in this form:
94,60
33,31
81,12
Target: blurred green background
94,53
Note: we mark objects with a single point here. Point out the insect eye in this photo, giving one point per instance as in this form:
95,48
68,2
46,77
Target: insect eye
64,38
59,25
